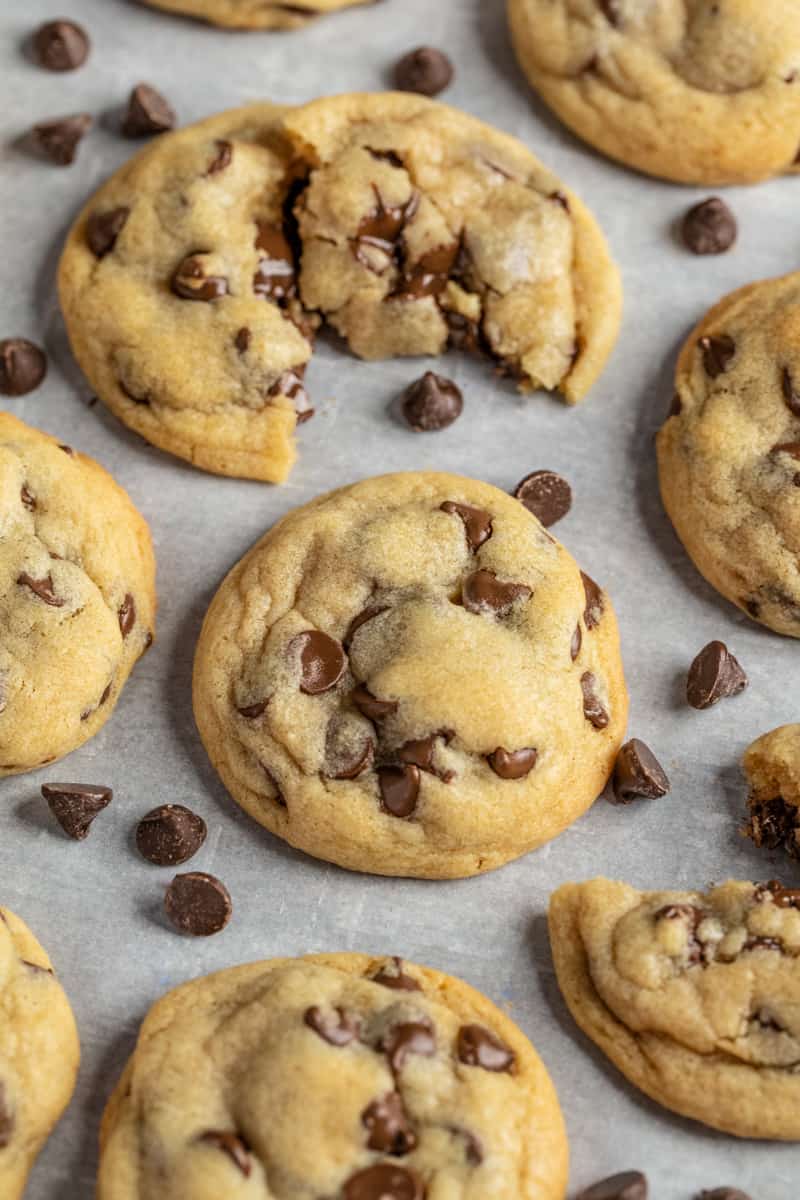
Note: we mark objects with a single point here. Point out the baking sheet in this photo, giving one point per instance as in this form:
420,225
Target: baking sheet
96,905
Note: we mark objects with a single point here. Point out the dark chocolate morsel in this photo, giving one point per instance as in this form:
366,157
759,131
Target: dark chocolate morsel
593,708
337,1027
395,977
389,1128
61,46
384,1181
593,611
43,588
59,138
512,764
170,835
628,1185
483,592
193,281
127,615
75,805
103,229
198,904
714,675
370,706
432,403
399,789
637,772
546,494
477,1046
426,70
709,227
477,522
23,366
322,661
148,112
405,1039
717,353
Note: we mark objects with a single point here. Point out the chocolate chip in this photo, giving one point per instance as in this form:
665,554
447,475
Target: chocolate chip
243,339
428,276
637,772
380,228
593,707
714,675
103,229
399,788
322,661
232,1145
483,592
477,1046
418,752
61,46
148,112
291,384
275,275
425,70
59,139
512,764
198,904
717,354
709,227
576,643
432,403
365,615
477,522
251,712
383,1181
628,1185
395,978
371,707
595,604
389,1128
222,158
127,615
23,366
337,1027
27,498
790,448
7,1121
783,897
75,805
547,495
193,280
405,1039
43,588
722,1193
791,397
170,835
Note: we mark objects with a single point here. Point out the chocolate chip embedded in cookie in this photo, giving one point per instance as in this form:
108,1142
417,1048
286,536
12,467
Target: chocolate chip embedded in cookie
727,454
691,995
38,1052
699,93
395,1094
431,686
772,768
77,600
256,14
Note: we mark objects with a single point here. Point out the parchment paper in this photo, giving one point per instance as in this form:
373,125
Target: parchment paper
97,906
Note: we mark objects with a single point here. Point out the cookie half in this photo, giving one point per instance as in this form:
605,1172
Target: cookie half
77,596
692,995
707,92
193,282
256,14
410,676
332,1075
729,453
39,1052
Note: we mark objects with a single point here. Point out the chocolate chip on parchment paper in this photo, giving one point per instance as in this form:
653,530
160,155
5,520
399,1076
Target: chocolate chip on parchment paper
431,403
322,661
23,366
170,835
714,675
709,227
424,70
59,138
638,773
546,494
61,45
198,904
627,1185
75,805
148,112
722,1193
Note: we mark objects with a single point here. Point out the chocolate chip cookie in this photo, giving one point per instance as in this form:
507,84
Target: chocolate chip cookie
772,767
335,1075
195,279
410,676
729,453
256,14
692,995
38,1052
704,92
77,596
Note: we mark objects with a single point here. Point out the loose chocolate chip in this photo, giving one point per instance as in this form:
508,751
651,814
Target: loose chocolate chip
222,158
75,805
389,1128
425,70
405,1039
628,1185
59,139
709,227
479,1047
170,835
198,904
717,354
23,366
483,592
27,498
337,1027
252,712
232,1145
477,522
275,275
722,1193
360,619
714,675
6,1115
791,397
593,707
127,615
192,280
395,977
593,612
43,588
61,46
512,764
576,643
103,229
148,112
547,495
432,403
637,772
372,708
322,661
384,1182
399,788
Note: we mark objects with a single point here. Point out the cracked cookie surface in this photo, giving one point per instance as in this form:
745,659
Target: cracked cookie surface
38,1052
698,91
410,676
772,767
337,1076
256,14
194,280
692,995
77,596
729,454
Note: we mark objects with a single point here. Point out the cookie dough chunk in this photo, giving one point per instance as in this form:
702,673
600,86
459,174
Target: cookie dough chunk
256,14
692,995
409,676
729,454
38,1052
335,1075
77,596
701,92
772,767
194,280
